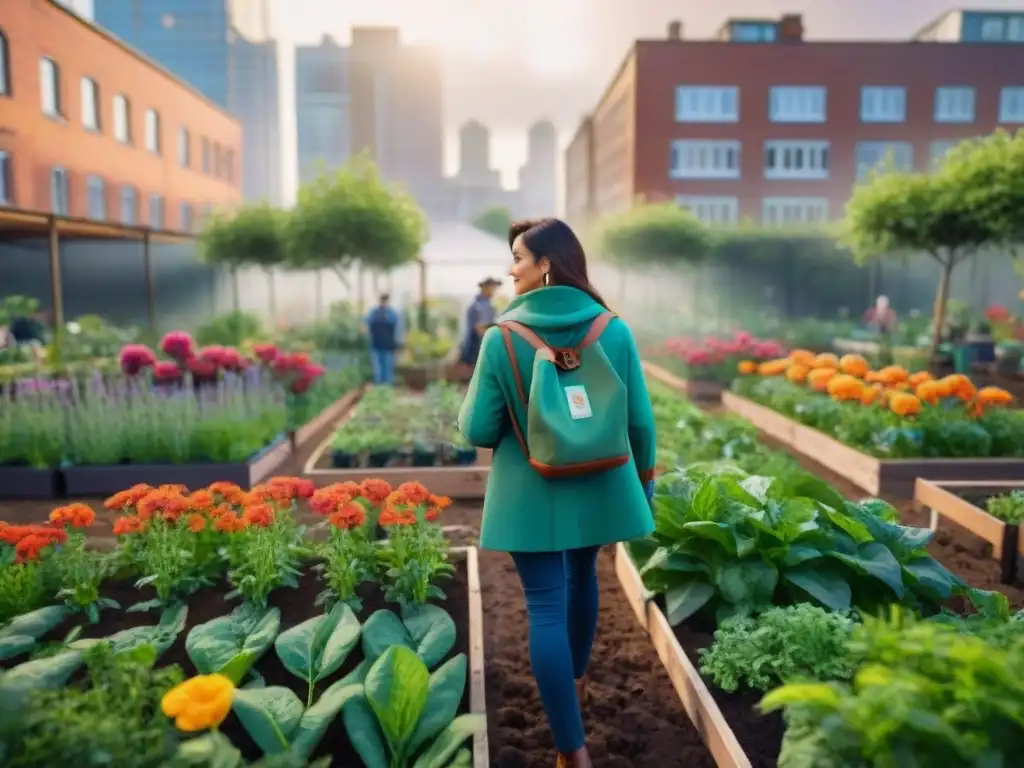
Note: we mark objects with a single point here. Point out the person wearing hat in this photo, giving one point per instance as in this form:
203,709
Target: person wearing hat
479,317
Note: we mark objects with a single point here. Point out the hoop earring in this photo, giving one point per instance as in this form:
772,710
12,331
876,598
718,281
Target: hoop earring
547,279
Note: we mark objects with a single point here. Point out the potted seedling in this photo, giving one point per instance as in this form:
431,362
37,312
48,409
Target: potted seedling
383,445
463,454
349,442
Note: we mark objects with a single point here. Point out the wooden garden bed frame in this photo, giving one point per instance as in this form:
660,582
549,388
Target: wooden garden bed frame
942,501
327,416
456,482
699,391
697,700
879,477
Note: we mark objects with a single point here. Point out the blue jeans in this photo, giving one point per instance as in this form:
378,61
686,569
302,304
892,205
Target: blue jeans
561,603
383,363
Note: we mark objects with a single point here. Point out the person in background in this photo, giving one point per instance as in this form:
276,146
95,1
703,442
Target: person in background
384,326
479,317
881,318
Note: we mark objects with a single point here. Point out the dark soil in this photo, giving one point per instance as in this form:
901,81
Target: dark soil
296,606
959,550
759,735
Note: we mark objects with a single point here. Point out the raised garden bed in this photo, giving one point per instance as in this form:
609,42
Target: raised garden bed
879,477
963,503
29,483
401,436
328,415
699,391
700,704
102,481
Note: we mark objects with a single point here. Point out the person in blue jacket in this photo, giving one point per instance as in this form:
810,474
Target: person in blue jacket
384,326
479,317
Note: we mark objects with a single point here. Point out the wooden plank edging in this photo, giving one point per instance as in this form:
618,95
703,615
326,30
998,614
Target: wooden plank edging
477,668
700,706
331,413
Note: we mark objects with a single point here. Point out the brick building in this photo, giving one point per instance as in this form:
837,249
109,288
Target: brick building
89,128
761,124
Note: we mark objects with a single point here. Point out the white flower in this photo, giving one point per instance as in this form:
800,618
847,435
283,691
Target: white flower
74,328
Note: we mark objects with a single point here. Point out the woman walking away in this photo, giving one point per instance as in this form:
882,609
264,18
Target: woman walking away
559,394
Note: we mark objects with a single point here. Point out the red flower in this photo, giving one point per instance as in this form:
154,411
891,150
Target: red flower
266,353
135,357
202,369
307,374
997,314
260,515
165,372
178,344
126,526
212,354
231,360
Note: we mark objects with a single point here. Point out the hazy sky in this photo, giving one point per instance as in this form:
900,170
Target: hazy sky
511,62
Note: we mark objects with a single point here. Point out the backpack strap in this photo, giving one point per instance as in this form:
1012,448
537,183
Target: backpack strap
517,375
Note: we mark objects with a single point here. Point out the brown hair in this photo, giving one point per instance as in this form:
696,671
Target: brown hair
554,240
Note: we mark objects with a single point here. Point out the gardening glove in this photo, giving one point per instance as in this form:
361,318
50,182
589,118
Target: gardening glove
649,490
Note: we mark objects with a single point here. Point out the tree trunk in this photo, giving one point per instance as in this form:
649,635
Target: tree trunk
941,299
272,298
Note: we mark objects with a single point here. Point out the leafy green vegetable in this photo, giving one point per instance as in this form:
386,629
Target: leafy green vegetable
318,647
20,634
160,637
781,645
428,630
231,644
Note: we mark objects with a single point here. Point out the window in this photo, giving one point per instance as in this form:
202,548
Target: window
796,159
711,210
206,155
874,155
229,165
992,28
954,105
1011,104
218,161
707,104
97,192
705,160
1015,29
122,119
797,104
747,32
90,104
129,205
153,131
883,104
156,211
939,150
59,191
6,179
49,86
186,217
5,66
788,211
183,147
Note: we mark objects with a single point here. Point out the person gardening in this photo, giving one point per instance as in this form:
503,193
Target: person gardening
479,317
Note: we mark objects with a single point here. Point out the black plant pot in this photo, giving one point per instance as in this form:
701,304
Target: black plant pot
343,460
424,458
464,457
379,459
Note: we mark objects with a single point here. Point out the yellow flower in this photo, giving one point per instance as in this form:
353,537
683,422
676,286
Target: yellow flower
747,367
199,703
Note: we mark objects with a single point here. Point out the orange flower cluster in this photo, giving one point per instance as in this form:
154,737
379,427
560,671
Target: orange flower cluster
850,379
406,500
75,515
30,540
345,504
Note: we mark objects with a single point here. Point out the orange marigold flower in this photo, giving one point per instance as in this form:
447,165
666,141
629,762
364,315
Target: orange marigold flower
414,493
818,378
874,377
392,517
773,367
348,515
919,378
374,490
196,522
904,404
229,522
928,392
220,510
826,360
228,492
797,373
802,357
893,375
854,365
994,396
30,547
76,515
845,387
870,394
327,499
126,526
432,514
12,534
279,495
298,487
259,515
168,504
128,498
441,502
177,488
747,367
201,501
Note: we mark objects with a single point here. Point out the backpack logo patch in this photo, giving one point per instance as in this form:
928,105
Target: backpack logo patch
579,403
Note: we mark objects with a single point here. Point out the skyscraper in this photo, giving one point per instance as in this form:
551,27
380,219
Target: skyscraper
322,108
537,191
223,48
474,153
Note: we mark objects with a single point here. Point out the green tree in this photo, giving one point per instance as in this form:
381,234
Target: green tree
252,236
353,217
494,221
940,214
654,234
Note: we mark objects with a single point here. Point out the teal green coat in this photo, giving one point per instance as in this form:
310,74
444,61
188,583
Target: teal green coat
523,511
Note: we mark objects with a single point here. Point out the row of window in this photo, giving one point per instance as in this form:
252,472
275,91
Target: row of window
775,211
1003,28
216,160
808,104
790,159
97,199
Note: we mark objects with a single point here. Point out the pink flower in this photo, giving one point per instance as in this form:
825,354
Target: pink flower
698,357
742,337
307,374
177,344
165,372
212,354
290,363
266,353
135,357
232,360
202,369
